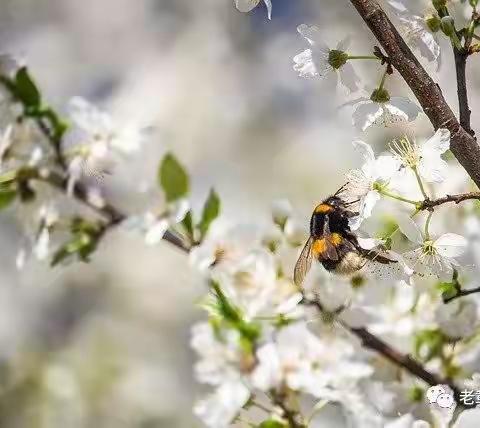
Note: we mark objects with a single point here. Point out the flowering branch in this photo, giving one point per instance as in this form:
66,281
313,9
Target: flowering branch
461,293
370,341
112,215
463,145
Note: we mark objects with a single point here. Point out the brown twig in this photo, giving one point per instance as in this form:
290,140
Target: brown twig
111,215
461,293
429,204
463,145
374,343
463,107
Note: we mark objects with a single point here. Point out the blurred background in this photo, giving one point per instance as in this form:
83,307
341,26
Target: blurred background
107,344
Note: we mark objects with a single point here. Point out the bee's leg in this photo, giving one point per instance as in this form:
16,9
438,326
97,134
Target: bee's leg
350,214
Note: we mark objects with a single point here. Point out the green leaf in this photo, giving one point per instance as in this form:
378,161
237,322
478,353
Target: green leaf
187,223
26,90
6,198
173,178
429,344
448,289
210,212
272,423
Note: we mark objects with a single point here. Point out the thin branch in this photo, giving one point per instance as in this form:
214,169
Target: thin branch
463,107
111,215
290,415
463,145
374,343
429,204
461,293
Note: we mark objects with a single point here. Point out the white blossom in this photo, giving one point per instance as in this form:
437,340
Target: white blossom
154,225
385,112
321,61
221,363
49,216
457,319
424,158
364,184
252,285
94,143
248,5
220,408
307,363
436,256
420,23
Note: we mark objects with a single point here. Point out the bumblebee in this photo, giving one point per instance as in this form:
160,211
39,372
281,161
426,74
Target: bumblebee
333,243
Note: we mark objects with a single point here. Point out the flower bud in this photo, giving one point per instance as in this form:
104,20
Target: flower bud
448,26
433,23
473,3
337,58
380,95
281,211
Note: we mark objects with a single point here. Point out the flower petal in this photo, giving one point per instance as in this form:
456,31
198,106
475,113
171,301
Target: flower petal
304,65
313,36
366,114
268,3
432,169
155,233
401,106
368,203
348,77
438,144
246,5
409,228
451,245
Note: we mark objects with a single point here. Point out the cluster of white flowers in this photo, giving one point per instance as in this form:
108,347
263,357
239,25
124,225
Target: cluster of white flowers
265,346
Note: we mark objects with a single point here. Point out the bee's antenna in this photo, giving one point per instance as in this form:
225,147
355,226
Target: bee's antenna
341,189
352,202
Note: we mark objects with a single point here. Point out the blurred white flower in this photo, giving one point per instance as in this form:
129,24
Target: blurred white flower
364,184
425,159
403,313
252,285
281,211
220,357
321,61
420,23
248,5
308,363
384,111
154,225
468,419
220,408
220,364
432,256
407,421
225,244
48,218
457,319
94,142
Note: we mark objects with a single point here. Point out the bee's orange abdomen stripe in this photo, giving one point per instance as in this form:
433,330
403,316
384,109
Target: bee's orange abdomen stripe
319,247
336,239
323,208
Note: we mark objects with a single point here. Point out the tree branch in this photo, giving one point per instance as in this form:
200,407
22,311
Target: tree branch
374,343
463,145
461,293
429,204
464,109
110,214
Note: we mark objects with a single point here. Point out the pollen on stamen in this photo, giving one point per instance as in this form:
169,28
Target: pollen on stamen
406,151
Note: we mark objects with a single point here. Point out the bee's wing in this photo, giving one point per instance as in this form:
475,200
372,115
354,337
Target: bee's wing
330,250
303,264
